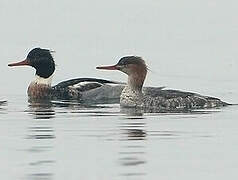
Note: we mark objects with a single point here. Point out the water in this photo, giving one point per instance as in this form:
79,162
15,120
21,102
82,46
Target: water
69,141
188,45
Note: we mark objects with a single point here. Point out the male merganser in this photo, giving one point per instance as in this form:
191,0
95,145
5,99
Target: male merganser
133,96
40,88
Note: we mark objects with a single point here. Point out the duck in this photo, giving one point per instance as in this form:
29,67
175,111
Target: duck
160,99
74,89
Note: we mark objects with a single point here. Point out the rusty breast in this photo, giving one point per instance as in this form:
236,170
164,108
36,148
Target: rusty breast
39,91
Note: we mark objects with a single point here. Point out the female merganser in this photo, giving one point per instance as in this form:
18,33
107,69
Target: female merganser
164,100
41,89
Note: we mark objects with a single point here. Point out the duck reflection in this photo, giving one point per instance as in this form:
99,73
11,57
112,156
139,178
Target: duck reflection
41,135
3,107
41,109
3,102
136,113
133,137
40,176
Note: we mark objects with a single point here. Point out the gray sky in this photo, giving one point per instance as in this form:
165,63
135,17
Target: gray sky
184,42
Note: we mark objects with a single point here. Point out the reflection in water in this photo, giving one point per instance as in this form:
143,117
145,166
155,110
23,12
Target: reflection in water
131,161
41,134
133,150
128,175
3,107
136,112
2,102
40,163
166,134
132,133
36,149
40,176
41,110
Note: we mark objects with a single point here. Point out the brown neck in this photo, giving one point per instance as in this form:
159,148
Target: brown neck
136,78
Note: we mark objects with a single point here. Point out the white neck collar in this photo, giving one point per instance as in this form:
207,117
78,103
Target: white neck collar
41,80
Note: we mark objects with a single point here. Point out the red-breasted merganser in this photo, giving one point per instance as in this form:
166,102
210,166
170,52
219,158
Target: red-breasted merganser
40,88
133,96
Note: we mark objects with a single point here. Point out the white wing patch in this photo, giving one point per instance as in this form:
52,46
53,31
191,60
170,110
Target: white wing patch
86,83
81,84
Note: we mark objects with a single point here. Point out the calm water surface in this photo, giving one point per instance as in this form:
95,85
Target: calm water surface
69,141
188,45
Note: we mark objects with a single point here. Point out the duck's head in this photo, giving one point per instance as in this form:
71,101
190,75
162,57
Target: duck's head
41,60
133,66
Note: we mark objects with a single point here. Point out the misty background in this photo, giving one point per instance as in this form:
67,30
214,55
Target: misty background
188,45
